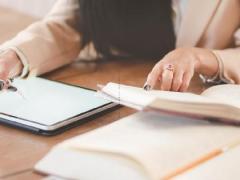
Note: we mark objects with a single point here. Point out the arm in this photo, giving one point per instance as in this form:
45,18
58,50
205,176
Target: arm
51,42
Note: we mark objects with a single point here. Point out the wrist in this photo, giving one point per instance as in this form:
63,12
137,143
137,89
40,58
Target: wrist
207,62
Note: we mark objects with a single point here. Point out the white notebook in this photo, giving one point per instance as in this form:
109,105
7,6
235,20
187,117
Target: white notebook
48,105
143,146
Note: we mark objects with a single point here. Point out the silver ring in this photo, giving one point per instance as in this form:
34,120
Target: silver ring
169,67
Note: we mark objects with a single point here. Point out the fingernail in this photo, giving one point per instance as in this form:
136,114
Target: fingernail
12,88
147,87
2,83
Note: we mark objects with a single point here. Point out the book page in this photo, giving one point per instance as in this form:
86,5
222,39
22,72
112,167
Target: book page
75,165
222,167
226,94
161,144
141,97
47,102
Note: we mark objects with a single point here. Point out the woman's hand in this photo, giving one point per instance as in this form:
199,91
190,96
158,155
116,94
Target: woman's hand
175,71
10,66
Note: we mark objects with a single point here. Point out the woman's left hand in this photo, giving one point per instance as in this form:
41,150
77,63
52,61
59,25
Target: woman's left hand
175,71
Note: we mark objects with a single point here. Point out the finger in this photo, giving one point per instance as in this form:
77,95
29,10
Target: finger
3,76
177,80
2,84
187,77
153,76
7,84
166,80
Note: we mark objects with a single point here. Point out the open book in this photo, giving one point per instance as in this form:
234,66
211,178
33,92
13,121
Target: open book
218,103
143,146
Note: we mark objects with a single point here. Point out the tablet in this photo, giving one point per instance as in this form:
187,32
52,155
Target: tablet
49,107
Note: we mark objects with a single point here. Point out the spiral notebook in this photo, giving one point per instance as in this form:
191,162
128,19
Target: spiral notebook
46,106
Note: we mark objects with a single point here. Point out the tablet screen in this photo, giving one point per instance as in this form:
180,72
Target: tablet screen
47,102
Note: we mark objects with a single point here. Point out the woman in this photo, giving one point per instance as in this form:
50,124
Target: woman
195,37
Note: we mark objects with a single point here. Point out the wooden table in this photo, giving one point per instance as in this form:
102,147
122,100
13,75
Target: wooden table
20,150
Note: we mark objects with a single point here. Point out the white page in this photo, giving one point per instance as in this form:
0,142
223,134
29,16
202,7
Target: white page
159,143
140,97
47,102
222,167
226,94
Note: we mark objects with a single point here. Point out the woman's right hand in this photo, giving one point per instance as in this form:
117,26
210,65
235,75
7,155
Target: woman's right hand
10,65
175,71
